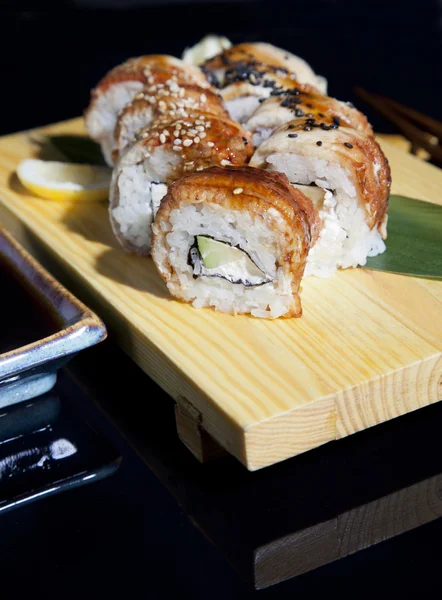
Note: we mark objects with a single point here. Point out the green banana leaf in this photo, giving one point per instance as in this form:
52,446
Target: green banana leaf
414,242
70,148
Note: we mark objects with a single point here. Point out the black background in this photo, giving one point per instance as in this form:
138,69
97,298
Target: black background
52,53
125,537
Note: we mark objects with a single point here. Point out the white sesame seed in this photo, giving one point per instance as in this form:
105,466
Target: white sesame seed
237,191
190,163
162,104
177,142
151,79
203,134
165,132
183,132
187,142
203,97
196,140
182,92
225,163
176,133
202,117
178,126
210,144
177,148
162,138
200,128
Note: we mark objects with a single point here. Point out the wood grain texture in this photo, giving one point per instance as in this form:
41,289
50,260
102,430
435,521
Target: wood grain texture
367,349
348,533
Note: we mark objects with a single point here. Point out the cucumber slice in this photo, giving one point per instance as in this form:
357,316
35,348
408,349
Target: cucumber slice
215,253
222,260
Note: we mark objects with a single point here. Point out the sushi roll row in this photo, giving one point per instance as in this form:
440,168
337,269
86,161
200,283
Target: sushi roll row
247,74
162,154
156,119
239,178
123,83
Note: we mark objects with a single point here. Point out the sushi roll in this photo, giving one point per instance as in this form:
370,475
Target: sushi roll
295,103
161,155
235,239
347,176
248,73
123,83
170,100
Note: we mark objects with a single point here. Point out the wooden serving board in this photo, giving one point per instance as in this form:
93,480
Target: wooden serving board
368,348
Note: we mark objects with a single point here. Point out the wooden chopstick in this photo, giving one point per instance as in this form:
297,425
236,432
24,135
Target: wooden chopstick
399,115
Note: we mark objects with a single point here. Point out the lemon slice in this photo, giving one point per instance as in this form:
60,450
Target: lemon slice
65,181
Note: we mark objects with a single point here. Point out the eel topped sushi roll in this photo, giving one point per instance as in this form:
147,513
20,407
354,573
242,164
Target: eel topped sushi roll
123,83
160,156
171,100
236,239
347,176
295,103
248,73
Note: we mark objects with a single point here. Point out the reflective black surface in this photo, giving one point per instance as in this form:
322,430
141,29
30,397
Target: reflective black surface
46,449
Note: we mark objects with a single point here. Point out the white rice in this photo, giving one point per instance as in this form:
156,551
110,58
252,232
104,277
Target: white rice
345,240
102,118
238,228
260,135
141,188
242,108
131,124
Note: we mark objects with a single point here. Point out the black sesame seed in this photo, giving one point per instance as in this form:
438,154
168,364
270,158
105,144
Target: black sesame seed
350,104
348,145
321,115
310,105
291,127
319,143
310,121
308,128
299,112
292,135
336,121
325,127
260,100
333,126
245,140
